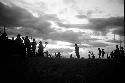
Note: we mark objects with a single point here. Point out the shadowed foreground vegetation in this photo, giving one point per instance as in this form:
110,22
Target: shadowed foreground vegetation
57,70
20,63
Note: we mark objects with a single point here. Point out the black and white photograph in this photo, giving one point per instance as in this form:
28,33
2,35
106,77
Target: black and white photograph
62,41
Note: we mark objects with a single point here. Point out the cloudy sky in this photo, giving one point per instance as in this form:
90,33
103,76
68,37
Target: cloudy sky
89,23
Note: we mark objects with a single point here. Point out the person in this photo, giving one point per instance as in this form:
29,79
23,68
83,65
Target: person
4,35
18,39
40,49
103,53
71,56
93,56
47,53
108,57
77,51
18,45
4,44
122,55
12,39
58,55
55,54
99,52
50,55
34,46
89,55
27,45
112,55
116,52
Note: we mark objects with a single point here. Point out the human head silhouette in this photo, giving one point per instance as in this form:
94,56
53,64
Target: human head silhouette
26,37
75,44
23,38
18,36
116,46
40,42
98,48
33,39
122,48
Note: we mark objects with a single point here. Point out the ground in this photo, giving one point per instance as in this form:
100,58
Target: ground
56,70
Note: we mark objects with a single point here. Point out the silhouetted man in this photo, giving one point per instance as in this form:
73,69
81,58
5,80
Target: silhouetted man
34,46
55,54
49,55
99,52
12,38
77,51
18,39
103,53
89,55
27,45
93,55
4,35
40,49
71,56
4,47
108,57
116,52
112,55
122,52
18,45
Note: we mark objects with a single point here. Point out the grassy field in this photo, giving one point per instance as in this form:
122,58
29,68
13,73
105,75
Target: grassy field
55,70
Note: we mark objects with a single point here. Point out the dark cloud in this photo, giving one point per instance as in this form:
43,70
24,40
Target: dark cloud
103,23
100,25
13,16
68,36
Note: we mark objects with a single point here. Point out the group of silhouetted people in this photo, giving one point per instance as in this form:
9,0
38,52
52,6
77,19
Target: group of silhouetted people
22,46
118,53
101,53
